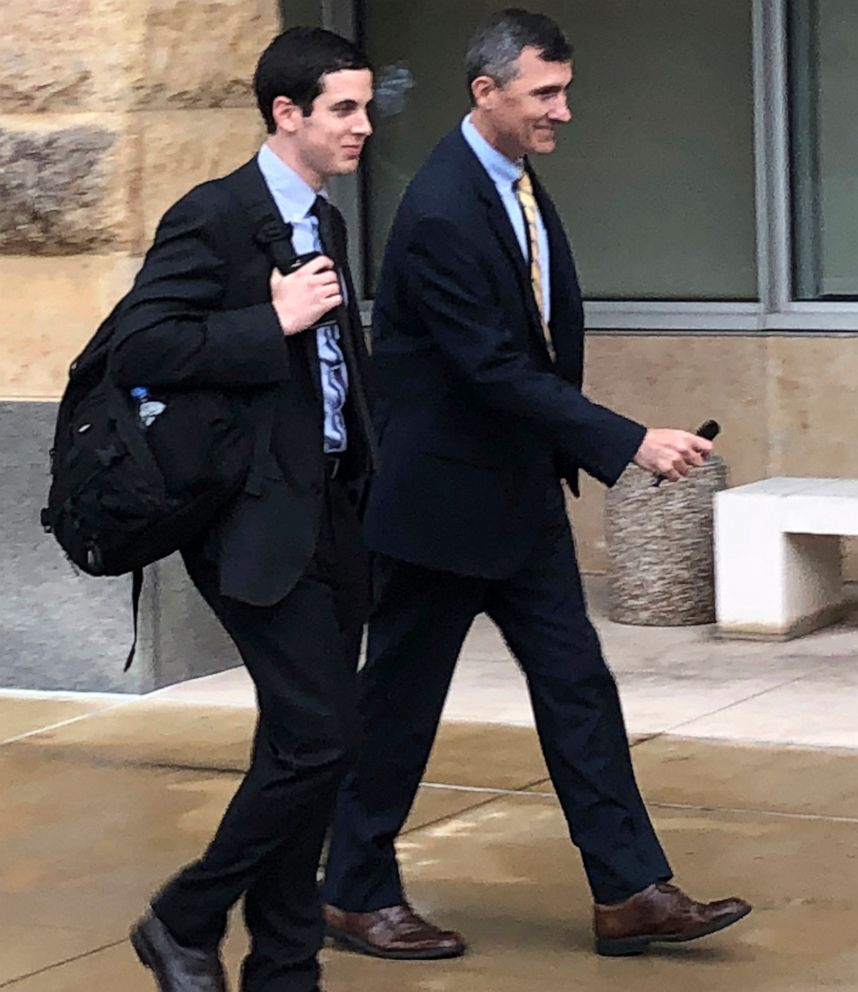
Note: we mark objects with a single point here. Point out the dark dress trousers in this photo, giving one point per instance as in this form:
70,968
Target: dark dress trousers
284,567
477,429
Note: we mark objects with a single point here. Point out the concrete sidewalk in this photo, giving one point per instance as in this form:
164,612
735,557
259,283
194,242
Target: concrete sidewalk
102,797
679,680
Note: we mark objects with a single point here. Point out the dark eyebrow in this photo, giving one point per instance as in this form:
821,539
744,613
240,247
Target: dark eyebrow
549,90
345,105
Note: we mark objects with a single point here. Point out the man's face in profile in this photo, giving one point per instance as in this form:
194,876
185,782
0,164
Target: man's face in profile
330,140
526,112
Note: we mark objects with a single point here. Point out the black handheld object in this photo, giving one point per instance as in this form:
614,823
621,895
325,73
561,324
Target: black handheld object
297,262
709,429
308,256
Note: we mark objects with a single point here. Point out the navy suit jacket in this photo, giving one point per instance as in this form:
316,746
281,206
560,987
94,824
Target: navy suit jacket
475,422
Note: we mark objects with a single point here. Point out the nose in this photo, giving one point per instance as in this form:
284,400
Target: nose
362,126
560,112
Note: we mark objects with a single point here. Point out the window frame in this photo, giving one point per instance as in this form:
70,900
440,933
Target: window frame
776,311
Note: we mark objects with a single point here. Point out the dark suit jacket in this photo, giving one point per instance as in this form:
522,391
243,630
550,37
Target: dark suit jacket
475,423
200,315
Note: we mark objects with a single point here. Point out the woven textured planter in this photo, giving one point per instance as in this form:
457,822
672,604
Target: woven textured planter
659,542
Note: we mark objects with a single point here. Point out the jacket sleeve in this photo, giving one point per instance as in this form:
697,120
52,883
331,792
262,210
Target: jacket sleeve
449,288
172,331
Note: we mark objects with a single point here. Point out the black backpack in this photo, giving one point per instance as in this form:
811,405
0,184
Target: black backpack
125,494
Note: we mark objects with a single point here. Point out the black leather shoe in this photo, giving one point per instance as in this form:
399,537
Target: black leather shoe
176,968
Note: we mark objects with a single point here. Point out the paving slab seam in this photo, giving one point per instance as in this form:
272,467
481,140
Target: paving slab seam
60,964
176,702
500,793
205,704
645,738
526,791
638,740
495,795
452,816
740,810
60,695
728,706
777,744
486,789
161,766
64,723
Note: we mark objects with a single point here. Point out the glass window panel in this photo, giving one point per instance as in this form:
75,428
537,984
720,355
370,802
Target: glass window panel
824,70
654,177
299,12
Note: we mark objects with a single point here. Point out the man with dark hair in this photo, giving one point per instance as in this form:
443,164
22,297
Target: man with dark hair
283,568
478,346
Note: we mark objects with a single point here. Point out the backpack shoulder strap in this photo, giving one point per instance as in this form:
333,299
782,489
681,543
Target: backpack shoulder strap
136,589
274,236
271,232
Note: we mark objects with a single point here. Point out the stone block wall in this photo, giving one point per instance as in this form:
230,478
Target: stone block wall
109,111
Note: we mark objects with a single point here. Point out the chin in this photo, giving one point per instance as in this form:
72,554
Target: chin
543,148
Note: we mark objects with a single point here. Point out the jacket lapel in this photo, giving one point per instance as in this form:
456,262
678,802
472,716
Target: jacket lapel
498,222
268,228
497,218
567,315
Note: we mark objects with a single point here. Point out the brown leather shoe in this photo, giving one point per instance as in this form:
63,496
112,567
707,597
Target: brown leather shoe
396,932
660,913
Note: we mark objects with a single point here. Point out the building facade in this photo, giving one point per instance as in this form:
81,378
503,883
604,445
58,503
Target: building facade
708,182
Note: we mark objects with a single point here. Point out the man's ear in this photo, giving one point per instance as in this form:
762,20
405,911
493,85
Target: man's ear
285,113
483,89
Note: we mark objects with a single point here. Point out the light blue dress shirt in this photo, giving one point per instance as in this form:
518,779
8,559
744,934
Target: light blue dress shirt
504,174
294,199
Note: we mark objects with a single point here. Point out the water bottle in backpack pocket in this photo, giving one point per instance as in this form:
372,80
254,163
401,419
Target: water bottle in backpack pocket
148,408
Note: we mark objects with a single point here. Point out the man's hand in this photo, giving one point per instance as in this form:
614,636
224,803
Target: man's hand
301,298
671,453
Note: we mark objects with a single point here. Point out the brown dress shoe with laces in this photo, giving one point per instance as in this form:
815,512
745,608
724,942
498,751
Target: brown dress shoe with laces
396,933
660,913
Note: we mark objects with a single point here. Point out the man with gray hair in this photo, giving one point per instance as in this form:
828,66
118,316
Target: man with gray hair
478,346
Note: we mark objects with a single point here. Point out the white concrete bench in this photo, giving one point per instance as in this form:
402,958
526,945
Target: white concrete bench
777,555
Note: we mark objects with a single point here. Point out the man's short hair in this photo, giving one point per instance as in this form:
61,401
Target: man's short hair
500,39
294,65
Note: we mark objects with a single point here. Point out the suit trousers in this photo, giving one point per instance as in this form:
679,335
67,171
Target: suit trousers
302,654
416,631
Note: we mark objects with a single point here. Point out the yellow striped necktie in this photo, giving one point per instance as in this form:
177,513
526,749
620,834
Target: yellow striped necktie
524,195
